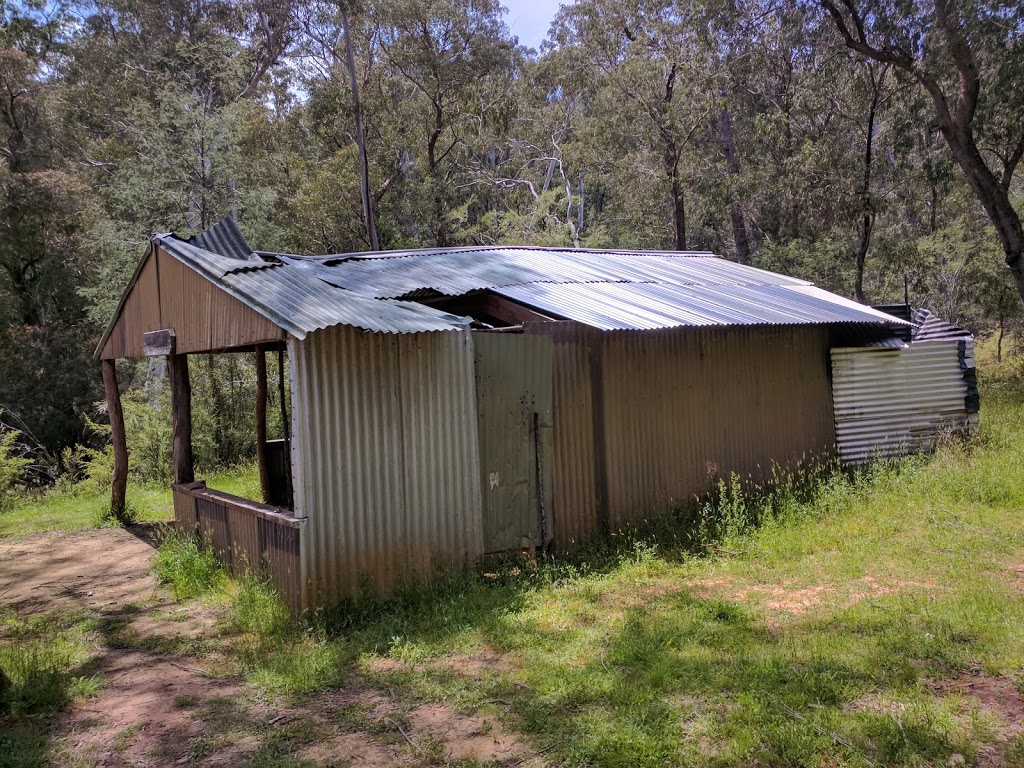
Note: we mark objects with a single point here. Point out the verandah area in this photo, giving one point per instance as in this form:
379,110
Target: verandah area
258,535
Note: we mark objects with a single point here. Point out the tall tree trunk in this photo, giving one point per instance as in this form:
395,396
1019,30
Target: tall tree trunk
955,116
933,212
119,479
994,198
369,219
678,196
727,139
999,344
440,233
867,222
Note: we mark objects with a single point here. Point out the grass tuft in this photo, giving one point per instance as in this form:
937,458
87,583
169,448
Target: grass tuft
188,567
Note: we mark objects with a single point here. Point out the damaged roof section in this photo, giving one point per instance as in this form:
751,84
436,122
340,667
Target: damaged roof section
609,290
300,303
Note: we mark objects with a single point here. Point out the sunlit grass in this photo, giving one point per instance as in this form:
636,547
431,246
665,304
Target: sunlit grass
811,624
47,660
75,509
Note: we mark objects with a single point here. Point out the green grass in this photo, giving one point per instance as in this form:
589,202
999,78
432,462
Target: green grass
48,660
75,509
188,568
818,636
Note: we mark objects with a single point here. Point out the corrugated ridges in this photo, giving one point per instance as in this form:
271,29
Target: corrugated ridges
455,272
930,327
608,290
213,265
385,457
644,306
300,303
893,402
224,239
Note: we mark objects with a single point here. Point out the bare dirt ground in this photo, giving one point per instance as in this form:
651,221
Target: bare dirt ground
160,706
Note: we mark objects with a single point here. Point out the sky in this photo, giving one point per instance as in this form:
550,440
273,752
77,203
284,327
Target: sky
529,19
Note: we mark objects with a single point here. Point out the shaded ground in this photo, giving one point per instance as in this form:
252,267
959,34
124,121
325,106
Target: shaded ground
158,702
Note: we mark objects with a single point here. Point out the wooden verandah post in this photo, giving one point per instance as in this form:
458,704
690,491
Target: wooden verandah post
261,420
181,414
119,480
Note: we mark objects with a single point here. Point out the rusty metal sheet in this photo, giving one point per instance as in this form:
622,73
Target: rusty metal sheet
246,535
685,408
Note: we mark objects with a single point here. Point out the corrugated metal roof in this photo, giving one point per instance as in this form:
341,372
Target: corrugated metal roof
609,290
300,303
645,306
224,239
458,271
930,327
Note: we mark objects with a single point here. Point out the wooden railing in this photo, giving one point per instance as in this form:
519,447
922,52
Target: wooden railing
246,535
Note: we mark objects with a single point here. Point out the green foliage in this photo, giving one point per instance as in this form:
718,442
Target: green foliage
742,124
188,566
12,466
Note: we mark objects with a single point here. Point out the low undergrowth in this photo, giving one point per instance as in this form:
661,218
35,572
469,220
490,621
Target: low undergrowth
187,567
87,505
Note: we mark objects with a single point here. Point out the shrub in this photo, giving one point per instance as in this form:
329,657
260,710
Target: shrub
12,466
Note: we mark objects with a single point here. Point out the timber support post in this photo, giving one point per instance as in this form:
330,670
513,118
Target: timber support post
181,414
286,429
261,421
119,480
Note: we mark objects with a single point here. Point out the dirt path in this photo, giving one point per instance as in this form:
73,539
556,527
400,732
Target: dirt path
159,703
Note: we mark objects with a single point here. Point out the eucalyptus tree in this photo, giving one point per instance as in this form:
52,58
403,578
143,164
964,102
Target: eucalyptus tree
968,57
328,27
160,89
447,66
651,83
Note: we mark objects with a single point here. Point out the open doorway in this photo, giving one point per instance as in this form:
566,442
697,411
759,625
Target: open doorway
240,413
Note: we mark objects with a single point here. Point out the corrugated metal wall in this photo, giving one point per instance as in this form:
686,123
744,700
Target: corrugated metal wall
385,456
573,464
680,408
168,294
891,402
685,407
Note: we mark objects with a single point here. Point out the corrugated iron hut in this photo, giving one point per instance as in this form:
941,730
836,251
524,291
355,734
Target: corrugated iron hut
453,402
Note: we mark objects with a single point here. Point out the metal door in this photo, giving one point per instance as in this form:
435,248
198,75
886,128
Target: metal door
514,400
